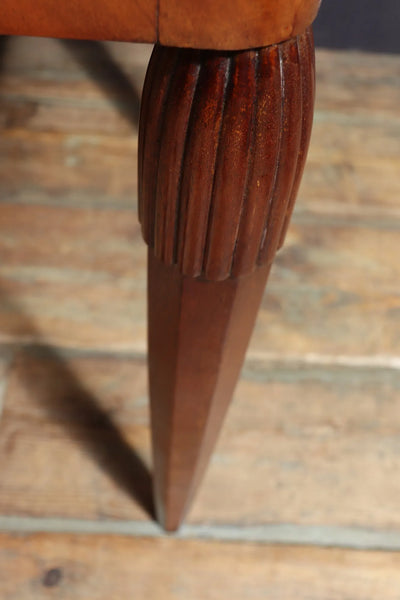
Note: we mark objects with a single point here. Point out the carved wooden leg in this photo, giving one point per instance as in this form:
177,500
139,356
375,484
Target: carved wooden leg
222,145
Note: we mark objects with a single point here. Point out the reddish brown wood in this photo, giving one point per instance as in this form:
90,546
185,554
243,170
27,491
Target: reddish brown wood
214,24
223,139
222,144
198,335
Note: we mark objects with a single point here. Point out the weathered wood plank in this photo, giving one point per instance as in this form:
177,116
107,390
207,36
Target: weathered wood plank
352,82
53,58
353,166
358,83
334,291
90,453
308,446
327,299
85,120
80,170
76,277
103,567
354,156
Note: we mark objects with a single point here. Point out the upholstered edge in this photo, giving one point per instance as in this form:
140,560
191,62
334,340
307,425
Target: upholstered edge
233,24
207,24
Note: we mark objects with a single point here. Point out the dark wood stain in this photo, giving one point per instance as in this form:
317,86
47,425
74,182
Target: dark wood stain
222,144
221,161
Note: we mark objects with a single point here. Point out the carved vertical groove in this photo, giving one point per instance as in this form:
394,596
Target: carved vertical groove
172,152
222,145
198,184
305,48
289,146
154,102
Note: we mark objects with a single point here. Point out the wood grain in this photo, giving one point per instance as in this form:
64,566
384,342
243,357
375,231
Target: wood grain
331,460
223,139
334,292
312,446
222,148
90,415
83,170
101,567
92,294
352,164
65,272
198,335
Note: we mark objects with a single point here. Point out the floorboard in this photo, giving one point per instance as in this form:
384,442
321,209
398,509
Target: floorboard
310,453
103,567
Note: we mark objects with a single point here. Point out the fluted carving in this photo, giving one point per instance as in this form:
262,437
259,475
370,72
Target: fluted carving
222,144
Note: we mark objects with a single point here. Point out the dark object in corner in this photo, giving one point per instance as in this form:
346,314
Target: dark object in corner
359,25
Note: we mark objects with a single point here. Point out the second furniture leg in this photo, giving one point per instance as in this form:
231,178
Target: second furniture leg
222,145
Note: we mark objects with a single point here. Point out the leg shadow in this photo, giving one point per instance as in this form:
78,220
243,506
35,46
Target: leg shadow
57,388
67,401
101,67
3,47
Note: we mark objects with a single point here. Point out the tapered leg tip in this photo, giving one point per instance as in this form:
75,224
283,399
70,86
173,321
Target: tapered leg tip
169,522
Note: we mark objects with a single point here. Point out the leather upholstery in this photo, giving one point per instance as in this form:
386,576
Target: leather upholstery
213,24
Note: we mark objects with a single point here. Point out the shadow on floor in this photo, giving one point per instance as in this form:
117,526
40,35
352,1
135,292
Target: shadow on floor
3,46
68,402
98,63
64,397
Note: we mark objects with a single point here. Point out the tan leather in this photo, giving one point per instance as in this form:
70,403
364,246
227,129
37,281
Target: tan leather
129,20
214,24
233,24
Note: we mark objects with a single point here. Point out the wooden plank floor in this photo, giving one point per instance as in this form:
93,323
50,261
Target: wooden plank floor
301,498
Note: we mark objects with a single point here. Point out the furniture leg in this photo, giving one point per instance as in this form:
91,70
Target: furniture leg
222,145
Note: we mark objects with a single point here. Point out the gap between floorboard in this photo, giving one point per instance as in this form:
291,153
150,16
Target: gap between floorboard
304,535
254,359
